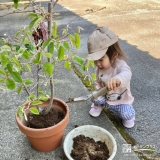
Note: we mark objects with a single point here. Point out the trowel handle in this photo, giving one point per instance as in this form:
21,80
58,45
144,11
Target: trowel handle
100,92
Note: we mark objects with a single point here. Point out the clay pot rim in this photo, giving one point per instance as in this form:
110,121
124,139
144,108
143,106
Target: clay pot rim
19,120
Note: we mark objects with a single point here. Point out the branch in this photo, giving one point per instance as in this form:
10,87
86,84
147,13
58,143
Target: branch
30,2
15,12
38,69
27,91
54,3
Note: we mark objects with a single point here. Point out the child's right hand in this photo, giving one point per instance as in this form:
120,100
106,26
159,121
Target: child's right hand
113,83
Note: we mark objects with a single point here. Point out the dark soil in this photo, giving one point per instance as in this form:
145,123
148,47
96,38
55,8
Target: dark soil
43,121
85,148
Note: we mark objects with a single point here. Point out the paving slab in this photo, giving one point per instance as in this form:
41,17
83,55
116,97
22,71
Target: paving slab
136,22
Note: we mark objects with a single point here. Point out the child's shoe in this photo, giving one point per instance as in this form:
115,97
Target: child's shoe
128,123
95,110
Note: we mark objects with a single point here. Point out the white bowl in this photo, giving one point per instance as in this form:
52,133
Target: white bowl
95,132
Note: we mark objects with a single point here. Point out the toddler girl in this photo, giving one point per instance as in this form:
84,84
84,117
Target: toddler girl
113,71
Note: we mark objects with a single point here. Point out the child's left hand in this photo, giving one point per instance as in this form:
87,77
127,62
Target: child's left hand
113,83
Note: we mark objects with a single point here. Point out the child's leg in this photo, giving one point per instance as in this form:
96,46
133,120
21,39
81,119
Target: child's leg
97,106
126,112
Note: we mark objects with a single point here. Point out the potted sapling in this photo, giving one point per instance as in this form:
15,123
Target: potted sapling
27,64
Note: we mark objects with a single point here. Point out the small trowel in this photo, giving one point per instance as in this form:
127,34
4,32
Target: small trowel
103,91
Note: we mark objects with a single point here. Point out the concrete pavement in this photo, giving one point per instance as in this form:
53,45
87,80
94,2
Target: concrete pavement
136,24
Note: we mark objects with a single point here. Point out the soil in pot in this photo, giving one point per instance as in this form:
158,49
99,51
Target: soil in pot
43,120
85,148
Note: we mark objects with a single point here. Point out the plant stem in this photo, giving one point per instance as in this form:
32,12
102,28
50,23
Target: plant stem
26,89
50,9
37,80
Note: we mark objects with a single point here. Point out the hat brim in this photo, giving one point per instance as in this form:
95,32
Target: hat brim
97,55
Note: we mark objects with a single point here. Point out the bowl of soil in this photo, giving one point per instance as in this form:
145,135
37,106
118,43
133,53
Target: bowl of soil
89,142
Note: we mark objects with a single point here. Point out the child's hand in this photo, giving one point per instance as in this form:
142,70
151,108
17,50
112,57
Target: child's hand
113,83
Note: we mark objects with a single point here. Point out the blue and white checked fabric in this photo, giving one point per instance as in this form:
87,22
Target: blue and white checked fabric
124,111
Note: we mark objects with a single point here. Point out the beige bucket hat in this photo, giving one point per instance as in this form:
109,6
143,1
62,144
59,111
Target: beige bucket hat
99,41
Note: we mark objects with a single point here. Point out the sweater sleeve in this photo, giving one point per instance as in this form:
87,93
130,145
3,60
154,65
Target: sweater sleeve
124,74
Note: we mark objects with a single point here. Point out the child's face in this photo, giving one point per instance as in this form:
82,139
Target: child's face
103,63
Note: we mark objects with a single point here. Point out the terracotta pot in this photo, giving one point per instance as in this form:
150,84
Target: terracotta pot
46,139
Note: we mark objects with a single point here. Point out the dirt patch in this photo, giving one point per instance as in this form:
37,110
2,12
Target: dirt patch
43,121
85,148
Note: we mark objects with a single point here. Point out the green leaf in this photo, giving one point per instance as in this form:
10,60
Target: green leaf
2,72
66,46
19,89
36,102
20,111
77,40
67,65
28,81
91,62
72,39
6,47
64,31
54,63
46,43
57,45
48,55
83,68
54,29
48,68
17,77
9,67
88,82
28,47
35,22
60,53
34,110
10,84
31,96
25,55
25,40
4,60
38,58
79,60
43,98
17,47
94,76
33,15
16,64
51,48
15,3
26,6
17,33
28,67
